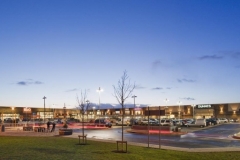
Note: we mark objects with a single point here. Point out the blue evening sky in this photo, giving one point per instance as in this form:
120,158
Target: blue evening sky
182,50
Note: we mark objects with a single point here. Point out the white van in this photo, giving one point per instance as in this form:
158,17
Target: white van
197,123
126,121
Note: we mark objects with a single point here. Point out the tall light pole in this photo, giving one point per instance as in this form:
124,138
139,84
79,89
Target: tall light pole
193,105
12,115
166,100
179,110
93,111
87,108
99,91
44,109
53,106
64,117
134,108
26,110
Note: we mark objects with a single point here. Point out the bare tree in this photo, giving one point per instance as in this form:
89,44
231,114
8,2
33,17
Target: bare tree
83,106
123,91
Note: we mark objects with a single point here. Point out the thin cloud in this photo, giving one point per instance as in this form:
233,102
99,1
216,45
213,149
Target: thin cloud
38,82
186,80
210,57
22,83
139,87
232,54
168,88
157,88
189,98
156,63
28,82
72,90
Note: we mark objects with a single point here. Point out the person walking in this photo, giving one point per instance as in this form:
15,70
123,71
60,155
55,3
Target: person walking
48,126
53,127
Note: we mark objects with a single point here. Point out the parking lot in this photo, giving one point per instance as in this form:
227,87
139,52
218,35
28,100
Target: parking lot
195,137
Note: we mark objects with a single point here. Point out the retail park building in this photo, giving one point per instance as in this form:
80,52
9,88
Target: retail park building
228,110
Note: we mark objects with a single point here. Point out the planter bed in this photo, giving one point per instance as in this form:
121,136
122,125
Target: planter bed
65,131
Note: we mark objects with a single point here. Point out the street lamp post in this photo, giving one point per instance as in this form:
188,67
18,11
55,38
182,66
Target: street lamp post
64,117
53,115
87,108
93,112
12,115
193,105
166,100
44,109
99,91
179,110
134,108
26,110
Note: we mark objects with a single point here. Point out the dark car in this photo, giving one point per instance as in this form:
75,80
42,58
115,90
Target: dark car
211,121
104,122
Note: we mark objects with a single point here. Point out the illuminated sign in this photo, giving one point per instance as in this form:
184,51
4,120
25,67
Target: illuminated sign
204,106
27,110
137,109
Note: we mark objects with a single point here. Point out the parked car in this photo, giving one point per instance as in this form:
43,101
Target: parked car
197,123
125,122
145,121
211,121
154,121
166,122
186,121
103,121
9,120
223,120
215,120
236,120
177,122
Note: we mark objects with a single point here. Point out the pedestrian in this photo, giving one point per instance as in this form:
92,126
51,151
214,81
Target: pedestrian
48,126
53,127
174,123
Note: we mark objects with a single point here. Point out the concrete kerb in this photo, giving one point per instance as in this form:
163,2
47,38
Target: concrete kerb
236,136
146,132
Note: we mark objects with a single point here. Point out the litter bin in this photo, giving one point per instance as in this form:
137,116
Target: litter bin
2,128
174,128
178,129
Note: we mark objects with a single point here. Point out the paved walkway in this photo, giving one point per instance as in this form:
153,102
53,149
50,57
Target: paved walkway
19,132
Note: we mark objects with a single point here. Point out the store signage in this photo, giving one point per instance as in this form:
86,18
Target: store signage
137,109
27,110
204,106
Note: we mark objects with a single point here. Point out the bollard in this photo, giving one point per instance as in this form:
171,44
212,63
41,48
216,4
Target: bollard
2,128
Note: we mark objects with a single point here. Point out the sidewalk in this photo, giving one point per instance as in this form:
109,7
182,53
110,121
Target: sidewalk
18,131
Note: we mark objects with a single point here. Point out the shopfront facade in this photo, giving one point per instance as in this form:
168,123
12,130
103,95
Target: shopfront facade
228,110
